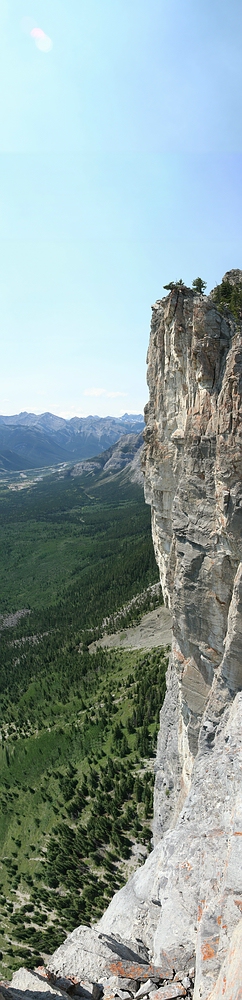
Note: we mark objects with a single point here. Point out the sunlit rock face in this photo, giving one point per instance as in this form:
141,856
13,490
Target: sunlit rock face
193,482
187,898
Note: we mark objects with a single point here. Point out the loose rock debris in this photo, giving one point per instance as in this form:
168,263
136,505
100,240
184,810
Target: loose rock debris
124,981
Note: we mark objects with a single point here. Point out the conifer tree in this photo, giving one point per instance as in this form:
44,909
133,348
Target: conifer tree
199,285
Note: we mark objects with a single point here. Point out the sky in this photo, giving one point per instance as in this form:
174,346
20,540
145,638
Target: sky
120,170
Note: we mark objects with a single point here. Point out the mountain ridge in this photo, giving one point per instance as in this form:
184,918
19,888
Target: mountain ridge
30,441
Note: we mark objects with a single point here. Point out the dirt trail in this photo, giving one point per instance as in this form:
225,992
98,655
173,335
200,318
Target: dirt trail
154,629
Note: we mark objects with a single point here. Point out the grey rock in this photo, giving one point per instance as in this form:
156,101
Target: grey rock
229,982
143,972
200,860
111,985
137,953
29,994
109,994
191,973
115,983
61,983
123,994
86,990
234,276
32,982
145,988
169,991
193,482
88,952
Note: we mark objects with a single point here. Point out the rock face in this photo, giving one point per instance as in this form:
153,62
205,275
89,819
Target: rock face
88,953
193,481
229,983
188,896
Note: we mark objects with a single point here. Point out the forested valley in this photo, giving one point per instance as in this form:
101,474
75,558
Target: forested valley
78,731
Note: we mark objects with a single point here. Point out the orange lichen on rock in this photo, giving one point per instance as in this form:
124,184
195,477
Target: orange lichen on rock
200,910
132,970
208,951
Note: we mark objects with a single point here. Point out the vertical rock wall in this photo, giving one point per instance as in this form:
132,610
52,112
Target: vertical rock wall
188,896
193,481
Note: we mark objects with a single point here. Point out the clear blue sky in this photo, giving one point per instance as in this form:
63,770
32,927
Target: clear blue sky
121,156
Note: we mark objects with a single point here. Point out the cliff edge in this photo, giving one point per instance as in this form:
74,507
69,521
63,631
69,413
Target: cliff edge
188,896
193,482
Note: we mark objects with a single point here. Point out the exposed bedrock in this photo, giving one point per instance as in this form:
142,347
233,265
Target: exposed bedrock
188,896
193,481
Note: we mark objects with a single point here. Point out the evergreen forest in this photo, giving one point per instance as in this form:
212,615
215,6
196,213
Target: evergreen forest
78,730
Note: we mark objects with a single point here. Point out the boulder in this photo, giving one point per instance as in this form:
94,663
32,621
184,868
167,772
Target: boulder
90,953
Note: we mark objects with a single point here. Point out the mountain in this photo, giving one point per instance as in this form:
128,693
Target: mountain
29,440
125,453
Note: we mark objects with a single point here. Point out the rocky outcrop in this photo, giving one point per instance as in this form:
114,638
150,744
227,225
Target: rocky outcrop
193,481
121,970
188,896
91,966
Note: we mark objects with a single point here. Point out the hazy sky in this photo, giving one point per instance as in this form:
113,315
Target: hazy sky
121,156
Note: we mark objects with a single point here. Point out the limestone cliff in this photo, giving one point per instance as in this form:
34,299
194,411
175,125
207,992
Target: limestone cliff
188,896
193,481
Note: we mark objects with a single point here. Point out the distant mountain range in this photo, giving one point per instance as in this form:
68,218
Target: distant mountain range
30,441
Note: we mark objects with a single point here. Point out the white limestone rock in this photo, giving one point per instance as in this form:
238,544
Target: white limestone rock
25,980
195,870
88,951
229,982
193,481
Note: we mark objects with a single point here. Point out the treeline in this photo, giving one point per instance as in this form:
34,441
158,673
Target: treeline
229,296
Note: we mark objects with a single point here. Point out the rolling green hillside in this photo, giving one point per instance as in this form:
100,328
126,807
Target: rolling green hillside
78,731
